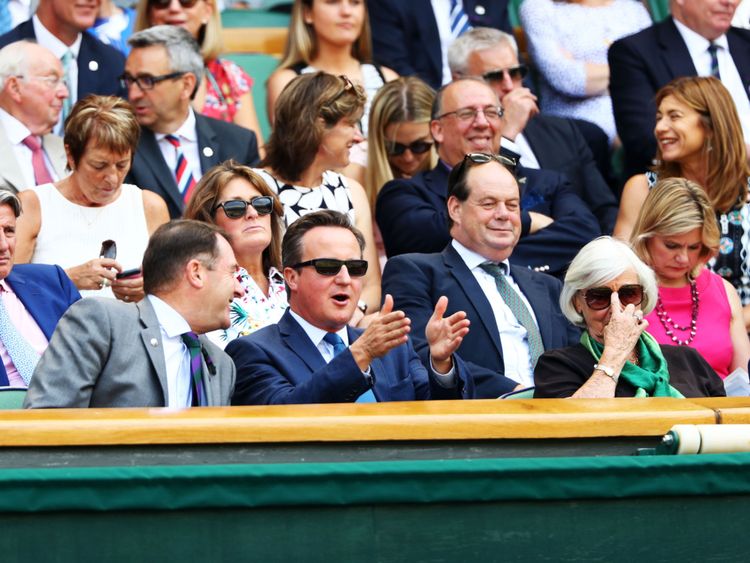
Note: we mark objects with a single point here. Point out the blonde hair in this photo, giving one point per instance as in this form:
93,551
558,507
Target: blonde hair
676,206
209,36
301,43
724,152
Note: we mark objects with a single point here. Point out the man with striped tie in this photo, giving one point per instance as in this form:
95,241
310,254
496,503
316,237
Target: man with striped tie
162,74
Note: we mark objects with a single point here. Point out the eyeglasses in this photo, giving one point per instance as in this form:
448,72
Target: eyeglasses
163,4
599,298
236,208
348,86
146,81
515,72
491,113
53,82
511,164
332,266
397,149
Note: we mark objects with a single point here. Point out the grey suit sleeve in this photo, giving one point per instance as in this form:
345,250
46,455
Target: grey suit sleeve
68,370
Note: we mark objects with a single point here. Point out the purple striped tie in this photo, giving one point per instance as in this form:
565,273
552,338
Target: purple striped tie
196,368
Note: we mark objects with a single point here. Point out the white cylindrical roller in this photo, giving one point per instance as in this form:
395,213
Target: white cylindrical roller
712,438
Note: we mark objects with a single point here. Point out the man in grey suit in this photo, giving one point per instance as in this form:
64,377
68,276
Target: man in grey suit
107,353
32,91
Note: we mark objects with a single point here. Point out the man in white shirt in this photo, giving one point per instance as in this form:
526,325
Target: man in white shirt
32,92
696,40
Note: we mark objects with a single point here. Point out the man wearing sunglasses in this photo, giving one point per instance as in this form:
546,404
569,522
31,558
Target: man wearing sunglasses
313,356
468,117
537,140
90,66
514,311
177,145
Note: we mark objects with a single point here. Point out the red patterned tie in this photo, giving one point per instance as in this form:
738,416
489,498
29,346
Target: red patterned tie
41,174
182,173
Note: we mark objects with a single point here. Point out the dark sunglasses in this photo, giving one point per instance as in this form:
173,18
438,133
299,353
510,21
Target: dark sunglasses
599,298
397,149
515,72
237,208
332,266
347,87
483,158
163,4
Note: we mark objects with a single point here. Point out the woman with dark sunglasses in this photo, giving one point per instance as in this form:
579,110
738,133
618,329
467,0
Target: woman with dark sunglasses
236,199
607,291
676,233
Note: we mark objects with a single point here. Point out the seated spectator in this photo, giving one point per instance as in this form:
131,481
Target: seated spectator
333,37
316,125
467,117
32,300
413,37
700,139
312,356
573,69
676,233
177,145
513,310
539,141
235,199
32,91
607,291
66,222
114,25
225,90
149,354
60,26
696,40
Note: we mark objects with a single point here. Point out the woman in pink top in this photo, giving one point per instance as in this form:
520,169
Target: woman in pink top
676,233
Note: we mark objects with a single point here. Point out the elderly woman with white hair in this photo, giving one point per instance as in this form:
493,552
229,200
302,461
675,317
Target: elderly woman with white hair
607,291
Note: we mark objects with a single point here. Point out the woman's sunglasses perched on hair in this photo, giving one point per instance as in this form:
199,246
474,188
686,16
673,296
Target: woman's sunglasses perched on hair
599,298
236,208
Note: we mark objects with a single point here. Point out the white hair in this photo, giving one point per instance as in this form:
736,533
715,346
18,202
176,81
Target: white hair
598,263
14,60
476,39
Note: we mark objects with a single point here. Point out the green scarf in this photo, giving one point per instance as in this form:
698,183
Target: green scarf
650,378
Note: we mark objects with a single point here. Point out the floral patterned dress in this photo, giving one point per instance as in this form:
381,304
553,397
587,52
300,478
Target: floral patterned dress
226,83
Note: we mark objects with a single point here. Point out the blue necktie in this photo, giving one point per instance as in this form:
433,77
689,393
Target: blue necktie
6,23
66,59
459,19
338,346
712,50
20,351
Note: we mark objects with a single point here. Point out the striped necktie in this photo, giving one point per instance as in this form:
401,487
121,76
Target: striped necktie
519,309
20,351
182,173
459,19
6,22
196,368
338,346
713,49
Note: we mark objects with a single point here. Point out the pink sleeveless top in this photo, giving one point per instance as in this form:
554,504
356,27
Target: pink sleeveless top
712,338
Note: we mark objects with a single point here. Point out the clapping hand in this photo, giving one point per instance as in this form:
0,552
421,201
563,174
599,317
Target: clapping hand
445,334
387,330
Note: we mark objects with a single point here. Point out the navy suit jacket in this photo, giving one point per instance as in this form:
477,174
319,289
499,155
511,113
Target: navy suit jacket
412,217
99,65
46,292
279,364
217,141
641,64
559,145
405,36
416,282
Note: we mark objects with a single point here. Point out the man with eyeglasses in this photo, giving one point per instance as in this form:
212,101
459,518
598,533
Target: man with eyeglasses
313,356
32,93
514,311
539,141
467,117
177,145
89,66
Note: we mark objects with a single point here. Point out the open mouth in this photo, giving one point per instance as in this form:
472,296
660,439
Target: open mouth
341,297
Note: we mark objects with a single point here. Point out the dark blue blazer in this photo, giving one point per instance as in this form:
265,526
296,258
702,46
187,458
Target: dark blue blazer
412,217
416,282
405,36
46,292
99,65
641,64
279,364
217,141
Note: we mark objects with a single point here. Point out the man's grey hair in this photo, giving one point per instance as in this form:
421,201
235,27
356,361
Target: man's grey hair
476,39
14,60
9,198
597,264
183,51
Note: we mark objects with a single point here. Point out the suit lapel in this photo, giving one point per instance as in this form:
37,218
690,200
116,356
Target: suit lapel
11,171
738,48
151,337
29,292
55,150
151,153
428,31
675,54
208,146
299,343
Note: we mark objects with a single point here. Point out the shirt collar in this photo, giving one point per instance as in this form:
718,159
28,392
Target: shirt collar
316,334
5,287
171,322
186,131
14,129
45,38
473,259
696,43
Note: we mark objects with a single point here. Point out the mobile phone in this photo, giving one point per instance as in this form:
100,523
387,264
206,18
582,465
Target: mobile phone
132,273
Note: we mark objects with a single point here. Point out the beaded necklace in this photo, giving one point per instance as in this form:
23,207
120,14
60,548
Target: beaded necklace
670,326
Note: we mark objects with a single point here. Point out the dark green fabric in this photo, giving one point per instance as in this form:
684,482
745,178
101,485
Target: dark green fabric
651,377
339,484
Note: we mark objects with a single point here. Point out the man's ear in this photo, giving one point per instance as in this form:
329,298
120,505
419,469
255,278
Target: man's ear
195,273
291,277
436,129
454,209
189,80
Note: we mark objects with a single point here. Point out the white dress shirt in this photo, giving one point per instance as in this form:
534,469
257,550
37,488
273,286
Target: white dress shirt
188,137
513,337
16,133
522,148
316,336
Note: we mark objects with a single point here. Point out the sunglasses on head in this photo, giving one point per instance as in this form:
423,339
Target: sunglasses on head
515,73
162,4
599,298
397,149
332,266
236,208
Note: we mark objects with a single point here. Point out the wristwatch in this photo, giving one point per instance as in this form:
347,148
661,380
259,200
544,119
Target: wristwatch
608,371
